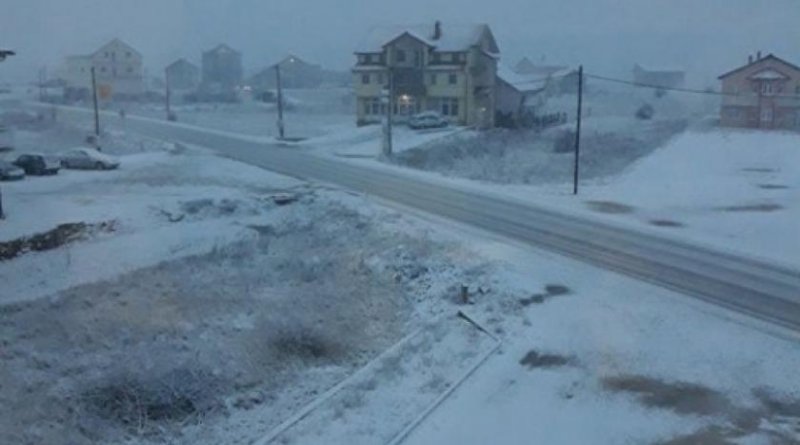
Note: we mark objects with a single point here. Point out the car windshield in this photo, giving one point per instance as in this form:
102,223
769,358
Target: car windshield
409,222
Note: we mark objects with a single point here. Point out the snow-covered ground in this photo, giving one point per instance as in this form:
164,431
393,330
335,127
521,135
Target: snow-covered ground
202,284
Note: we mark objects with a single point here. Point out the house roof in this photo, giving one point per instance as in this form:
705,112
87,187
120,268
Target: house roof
768,74
181,61
119,41
453,38
222,48
768,56
520,82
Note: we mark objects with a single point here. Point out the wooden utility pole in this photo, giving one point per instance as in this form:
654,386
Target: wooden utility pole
387,94
96,110
166,93
578,131
280,100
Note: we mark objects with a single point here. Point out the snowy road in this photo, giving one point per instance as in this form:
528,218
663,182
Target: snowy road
767,291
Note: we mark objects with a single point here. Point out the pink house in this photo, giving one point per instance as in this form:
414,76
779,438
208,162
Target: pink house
764,93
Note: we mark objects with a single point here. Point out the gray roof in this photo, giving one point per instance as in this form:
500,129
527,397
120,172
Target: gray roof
453,38
524,83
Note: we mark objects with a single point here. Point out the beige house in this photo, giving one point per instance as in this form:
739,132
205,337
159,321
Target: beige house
118,69
764,93
448,69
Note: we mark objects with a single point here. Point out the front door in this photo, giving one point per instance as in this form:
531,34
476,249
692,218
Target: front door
767,116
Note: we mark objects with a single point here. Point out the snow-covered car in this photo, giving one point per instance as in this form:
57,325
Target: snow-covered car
38,164
10,172
88,158
428,119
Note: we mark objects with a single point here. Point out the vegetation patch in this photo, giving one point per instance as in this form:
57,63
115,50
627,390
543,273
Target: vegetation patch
609,207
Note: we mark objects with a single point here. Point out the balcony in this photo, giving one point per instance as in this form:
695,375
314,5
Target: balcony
409,81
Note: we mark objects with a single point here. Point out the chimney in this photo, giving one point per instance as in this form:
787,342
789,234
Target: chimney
437,30
749,59
758,55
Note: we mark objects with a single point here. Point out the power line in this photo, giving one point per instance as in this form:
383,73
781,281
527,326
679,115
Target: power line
660,87
685,90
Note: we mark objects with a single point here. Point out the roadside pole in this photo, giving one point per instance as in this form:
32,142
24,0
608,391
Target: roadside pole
3,55
387,94
96,111
280,99
167,94
578,131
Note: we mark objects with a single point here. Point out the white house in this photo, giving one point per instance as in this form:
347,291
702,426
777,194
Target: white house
118,69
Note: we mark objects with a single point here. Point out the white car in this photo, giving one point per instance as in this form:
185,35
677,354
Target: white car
427,119
88,158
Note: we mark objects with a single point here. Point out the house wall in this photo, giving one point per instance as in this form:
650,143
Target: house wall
472,95
183,76
747,104
222,67
118,70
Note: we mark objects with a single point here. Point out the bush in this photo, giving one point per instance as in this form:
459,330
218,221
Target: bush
645,112
564,142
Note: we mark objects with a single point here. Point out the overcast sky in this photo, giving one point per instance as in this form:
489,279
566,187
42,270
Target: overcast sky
707,37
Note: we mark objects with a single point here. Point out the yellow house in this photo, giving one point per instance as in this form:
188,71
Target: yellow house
448,69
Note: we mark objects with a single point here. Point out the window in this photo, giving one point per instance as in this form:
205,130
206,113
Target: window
400,56
448,107
417,58
433,79
106,55
437,58
103,69
130,70
766,114
452,79
797,90
766,88
128,54
381,80
365,79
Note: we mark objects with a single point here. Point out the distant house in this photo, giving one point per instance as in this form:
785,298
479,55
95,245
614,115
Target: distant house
764,93
659,77
445,68
295,73
519,97
561,79
118,69
221,73
183,75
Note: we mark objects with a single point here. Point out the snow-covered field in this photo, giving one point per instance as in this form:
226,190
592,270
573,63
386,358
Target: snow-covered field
209,302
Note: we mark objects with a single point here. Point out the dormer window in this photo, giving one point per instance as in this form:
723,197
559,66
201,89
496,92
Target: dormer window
766,88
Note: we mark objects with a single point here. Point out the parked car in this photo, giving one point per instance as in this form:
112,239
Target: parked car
88,158
428,119
38,164
10,172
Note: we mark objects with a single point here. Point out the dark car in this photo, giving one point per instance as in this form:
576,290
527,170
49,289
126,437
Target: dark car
10,172
38,164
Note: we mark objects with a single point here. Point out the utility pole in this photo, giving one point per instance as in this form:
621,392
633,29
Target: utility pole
387,99
167,94
96,111
4,53
280,99
578,131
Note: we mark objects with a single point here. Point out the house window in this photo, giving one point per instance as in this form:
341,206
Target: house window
365,79
449,107
128,54
106,55
437,58
130,70
766,88
103,69
400,56
433,79
417,58
797,90
452,79
766,115
381,80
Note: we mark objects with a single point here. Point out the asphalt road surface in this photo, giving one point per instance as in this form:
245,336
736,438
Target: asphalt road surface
762,290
